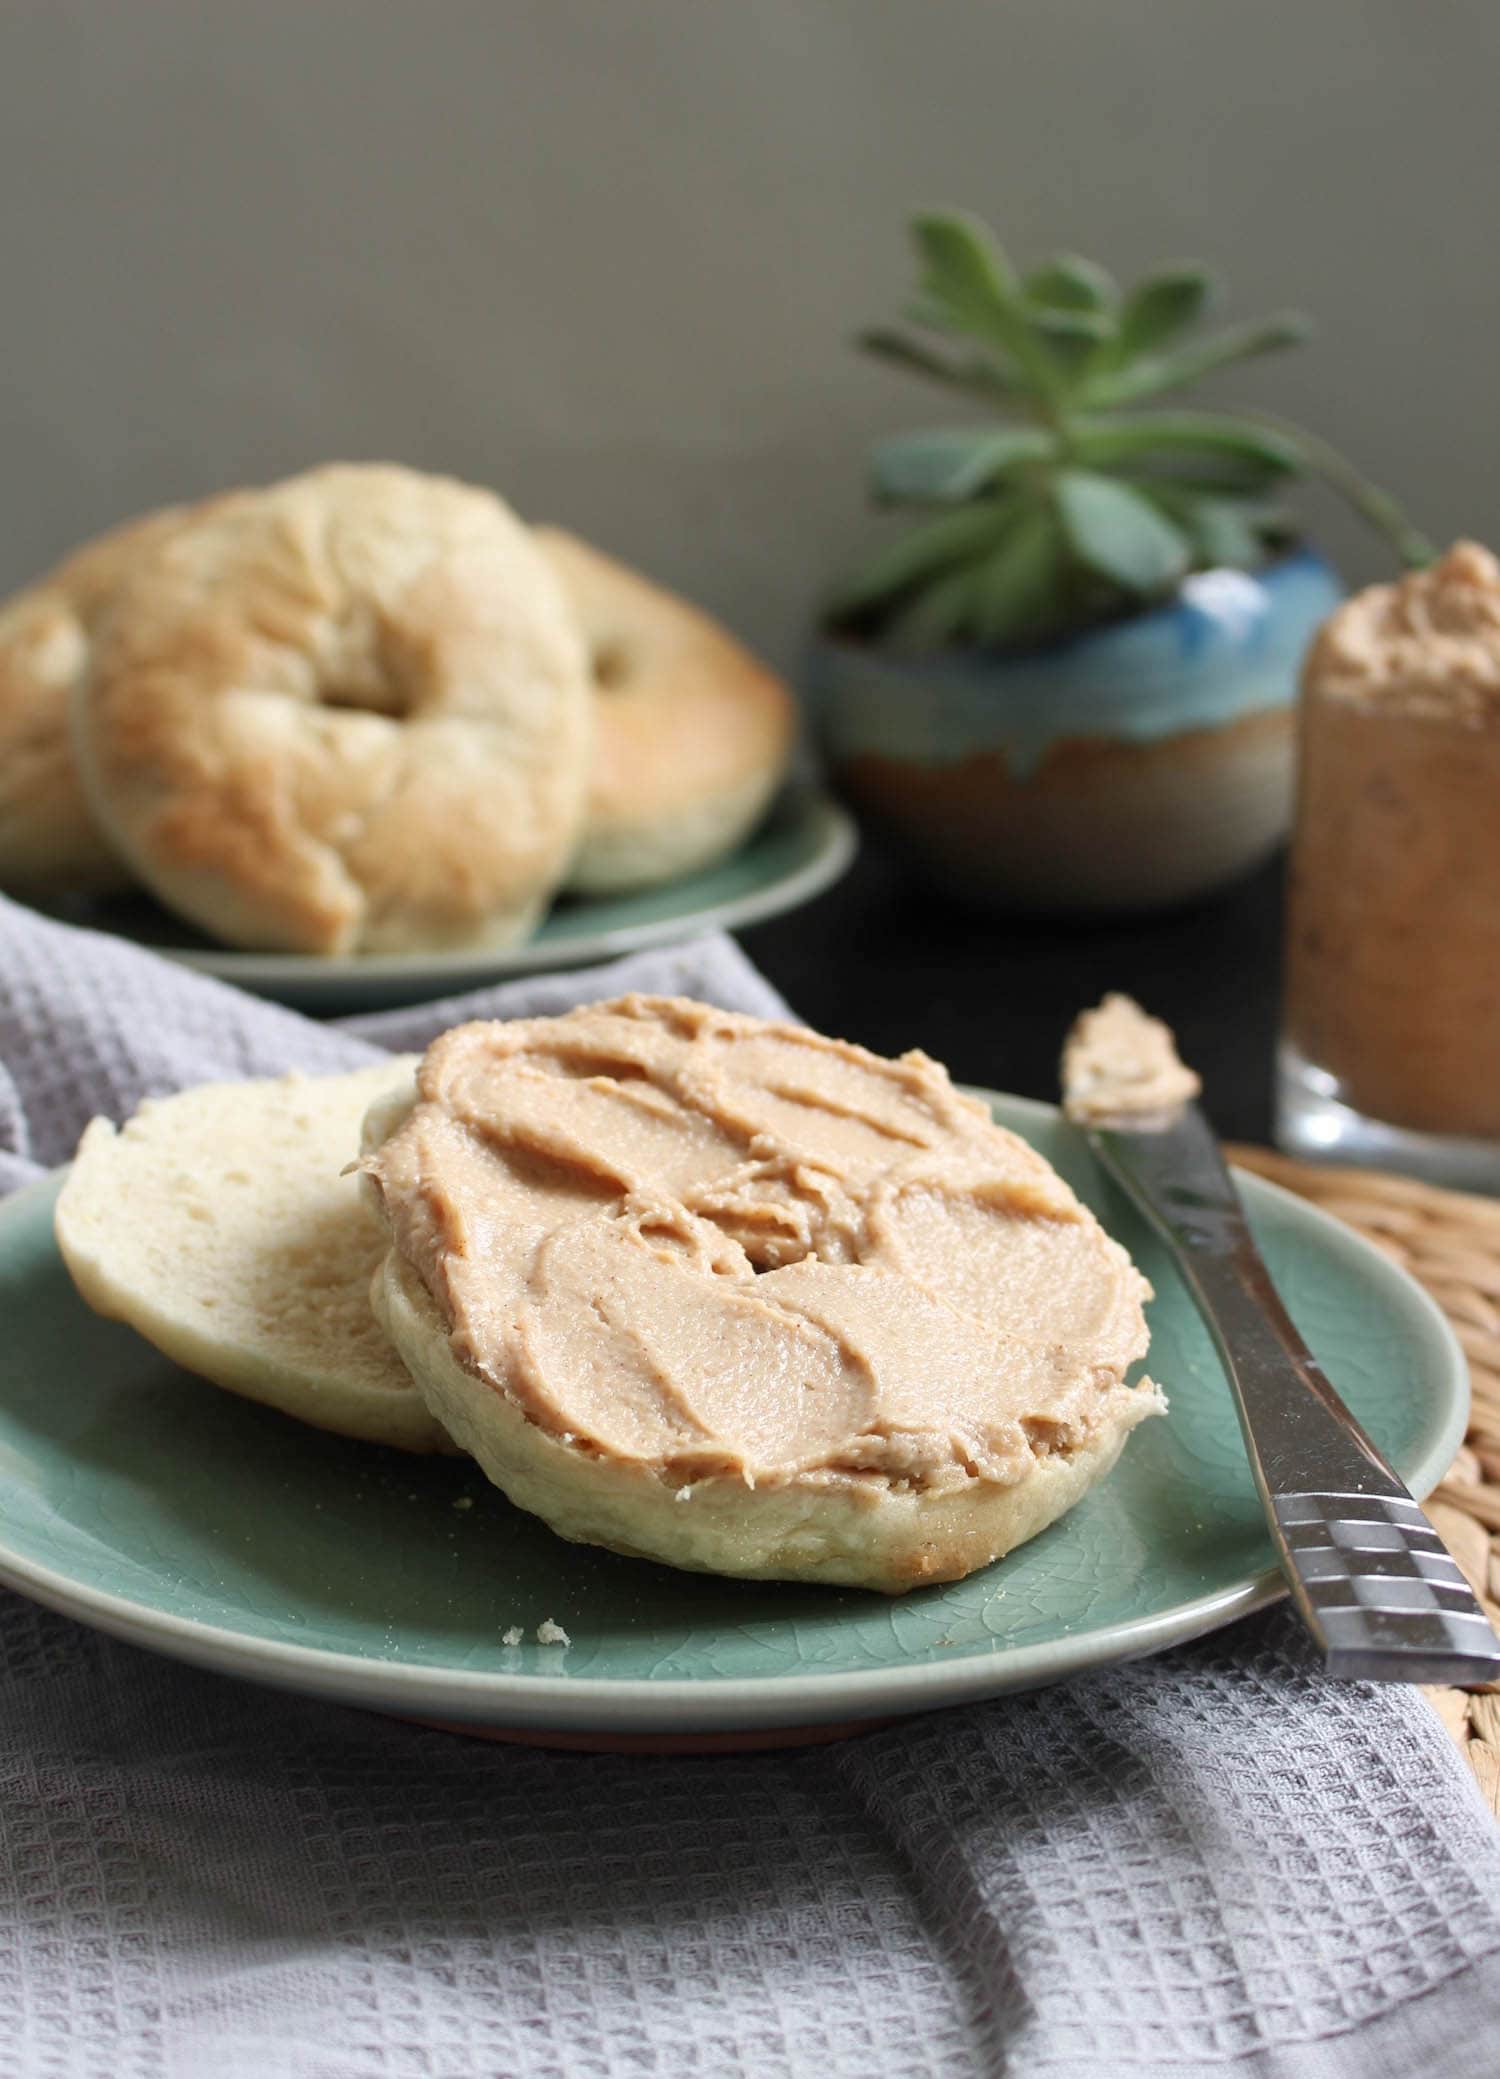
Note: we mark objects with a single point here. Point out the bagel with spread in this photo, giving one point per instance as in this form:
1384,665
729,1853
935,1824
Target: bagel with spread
721,1292
691,733
700,1287
347,713
49,840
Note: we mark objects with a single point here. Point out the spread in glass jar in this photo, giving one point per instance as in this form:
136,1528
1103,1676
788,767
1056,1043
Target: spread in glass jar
1392,1021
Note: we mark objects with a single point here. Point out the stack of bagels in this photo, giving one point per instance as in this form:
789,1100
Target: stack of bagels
369,710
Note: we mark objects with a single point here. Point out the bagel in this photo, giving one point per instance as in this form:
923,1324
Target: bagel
720,1292
691,734
49,840
221,1226
347,713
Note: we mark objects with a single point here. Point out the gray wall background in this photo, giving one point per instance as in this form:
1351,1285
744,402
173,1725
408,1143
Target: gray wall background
607,254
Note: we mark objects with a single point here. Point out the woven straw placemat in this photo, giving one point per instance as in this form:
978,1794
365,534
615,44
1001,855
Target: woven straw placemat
1450,1242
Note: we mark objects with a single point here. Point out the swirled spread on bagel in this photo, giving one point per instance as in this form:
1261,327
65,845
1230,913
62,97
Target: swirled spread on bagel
712,1245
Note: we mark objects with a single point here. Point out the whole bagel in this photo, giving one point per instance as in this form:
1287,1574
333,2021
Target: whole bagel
691,734
49,841
347,713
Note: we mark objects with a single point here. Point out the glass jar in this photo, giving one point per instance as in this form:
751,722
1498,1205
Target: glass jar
1391,1035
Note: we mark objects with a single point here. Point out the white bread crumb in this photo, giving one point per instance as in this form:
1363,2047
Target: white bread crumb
684,1494
550,1634
513,1637
465,1501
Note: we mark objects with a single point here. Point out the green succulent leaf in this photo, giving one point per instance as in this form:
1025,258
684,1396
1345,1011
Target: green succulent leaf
1161,307
1104,441
936,546
942,613
1019,588
1223,531
935,317
1070,283
968,278
1147,375
1369,500
1191,469
1118,532
1074,339
950,463
1012,593
979,377
1226,533
965,270
1090,326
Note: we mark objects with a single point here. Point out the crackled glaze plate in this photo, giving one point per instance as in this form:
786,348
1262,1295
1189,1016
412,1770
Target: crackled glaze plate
805,843
141,1501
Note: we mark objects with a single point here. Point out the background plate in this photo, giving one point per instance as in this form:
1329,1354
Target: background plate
139,1500
804,844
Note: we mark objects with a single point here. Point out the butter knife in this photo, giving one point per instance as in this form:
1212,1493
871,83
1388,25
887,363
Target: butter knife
1369,1575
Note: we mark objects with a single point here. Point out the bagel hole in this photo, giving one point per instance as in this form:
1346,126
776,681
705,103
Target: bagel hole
610,664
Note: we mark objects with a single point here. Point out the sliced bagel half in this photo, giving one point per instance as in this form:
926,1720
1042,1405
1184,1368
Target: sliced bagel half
221,1226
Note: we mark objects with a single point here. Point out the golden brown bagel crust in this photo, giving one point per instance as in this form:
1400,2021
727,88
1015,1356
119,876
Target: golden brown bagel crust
692,733
350,712
48,838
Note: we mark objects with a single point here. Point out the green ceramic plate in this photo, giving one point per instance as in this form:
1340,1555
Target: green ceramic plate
141,1501
803,846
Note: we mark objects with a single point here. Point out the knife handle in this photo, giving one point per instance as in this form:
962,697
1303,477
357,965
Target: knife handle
1373,1581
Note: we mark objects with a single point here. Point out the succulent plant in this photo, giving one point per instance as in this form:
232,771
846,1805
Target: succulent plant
1077,500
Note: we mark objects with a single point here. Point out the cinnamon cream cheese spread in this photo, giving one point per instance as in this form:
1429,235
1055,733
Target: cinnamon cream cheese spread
1429,644
1393,942
707,1246
1119,1063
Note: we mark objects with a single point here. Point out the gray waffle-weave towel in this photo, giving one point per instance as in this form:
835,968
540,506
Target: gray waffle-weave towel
1210,1862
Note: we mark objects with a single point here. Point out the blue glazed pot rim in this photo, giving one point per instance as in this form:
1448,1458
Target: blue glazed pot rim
994,663
1228,646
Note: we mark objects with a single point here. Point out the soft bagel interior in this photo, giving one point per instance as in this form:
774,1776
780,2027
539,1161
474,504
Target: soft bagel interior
219,1225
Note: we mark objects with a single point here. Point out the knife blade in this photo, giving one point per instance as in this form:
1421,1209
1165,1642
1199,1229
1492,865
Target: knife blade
1370,1577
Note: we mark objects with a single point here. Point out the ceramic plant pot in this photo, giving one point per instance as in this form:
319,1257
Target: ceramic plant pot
1137,766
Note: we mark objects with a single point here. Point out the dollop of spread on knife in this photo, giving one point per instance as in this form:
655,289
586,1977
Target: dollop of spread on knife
1121,1067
